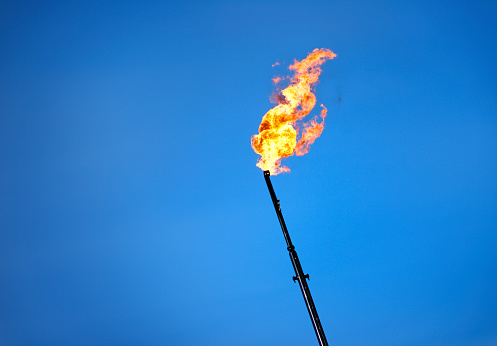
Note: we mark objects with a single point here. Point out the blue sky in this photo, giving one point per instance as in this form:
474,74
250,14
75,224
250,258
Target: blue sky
132,212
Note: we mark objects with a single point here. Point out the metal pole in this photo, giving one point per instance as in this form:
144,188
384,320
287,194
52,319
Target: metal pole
299,273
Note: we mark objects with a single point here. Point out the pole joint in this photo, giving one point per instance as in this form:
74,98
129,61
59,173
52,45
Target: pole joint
295,278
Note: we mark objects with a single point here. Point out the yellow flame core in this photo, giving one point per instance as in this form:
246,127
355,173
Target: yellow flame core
282,124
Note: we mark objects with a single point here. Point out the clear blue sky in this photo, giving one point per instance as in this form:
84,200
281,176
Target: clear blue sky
132,212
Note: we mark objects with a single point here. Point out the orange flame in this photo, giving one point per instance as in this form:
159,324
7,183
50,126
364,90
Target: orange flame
280,126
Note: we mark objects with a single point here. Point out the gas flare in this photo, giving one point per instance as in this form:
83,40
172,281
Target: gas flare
282,124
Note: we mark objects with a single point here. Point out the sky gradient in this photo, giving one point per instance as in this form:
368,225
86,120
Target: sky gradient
132,212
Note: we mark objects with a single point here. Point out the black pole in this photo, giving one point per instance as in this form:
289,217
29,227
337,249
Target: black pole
297,267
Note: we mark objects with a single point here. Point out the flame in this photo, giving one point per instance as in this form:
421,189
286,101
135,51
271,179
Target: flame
282,124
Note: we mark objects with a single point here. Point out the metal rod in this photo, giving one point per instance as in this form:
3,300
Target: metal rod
299,273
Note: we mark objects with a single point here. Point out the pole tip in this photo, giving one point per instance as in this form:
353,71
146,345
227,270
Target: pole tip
267,173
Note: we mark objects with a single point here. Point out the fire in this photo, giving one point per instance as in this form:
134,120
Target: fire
282,124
